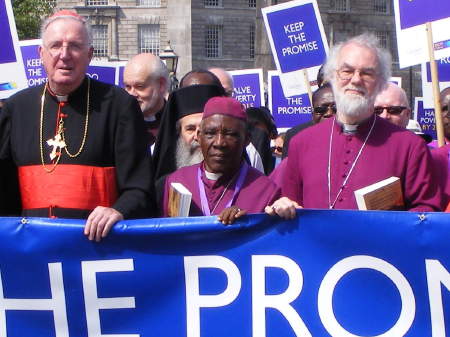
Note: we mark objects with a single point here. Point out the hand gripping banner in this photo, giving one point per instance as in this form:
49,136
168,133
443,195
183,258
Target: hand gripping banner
326,273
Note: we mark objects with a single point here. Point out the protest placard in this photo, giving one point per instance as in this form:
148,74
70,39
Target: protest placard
410,19
32,62
396,80
99,70
425,117
248,87
287,111
12,72
102,71
443,66
119,73
297,40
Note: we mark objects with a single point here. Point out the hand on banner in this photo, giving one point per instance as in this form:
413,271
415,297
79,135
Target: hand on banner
100,222
283,207
228,215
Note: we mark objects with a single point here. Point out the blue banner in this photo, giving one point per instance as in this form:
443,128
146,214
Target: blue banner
418,12
443,66
326,273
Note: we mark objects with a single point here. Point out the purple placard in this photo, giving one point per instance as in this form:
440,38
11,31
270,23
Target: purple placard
425,117
288,111
297,38
105,74
34,68
7,53
443,66
247,89
121,69
418,12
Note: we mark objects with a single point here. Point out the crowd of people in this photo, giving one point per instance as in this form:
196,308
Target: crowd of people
80,148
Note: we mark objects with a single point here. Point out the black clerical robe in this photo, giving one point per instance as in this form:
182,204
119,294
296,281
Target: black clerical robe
112,168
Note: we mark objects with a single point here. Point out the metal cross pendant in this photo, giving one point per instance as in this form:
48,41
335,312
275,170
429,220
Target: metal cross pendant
57,143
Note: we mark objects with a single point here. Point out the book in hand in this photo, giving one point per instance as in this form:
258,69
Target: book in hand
179,200
383,195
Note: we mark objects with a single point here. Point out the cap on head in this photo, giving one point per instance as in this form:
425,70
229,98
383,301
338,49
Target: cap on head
227,106
66,12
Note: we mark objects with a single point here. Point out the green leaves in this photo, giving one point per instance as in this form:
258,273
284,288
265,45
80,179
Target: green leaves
29,14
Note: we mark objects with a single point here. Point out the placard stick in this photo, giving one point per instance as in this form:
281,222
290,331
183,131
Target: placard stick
436,92
308,85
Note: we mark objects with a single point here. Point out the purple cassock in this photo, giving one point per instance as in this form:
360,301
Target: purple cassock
256,193
389,151
441,160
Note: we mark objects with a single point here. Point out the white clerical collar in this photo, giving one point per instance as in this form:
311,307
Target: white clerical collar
349,128
62,98
212,176
150,118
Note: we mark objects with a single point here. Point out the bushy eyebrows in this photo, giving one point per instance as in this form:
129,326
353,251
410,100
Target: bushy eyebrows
348,66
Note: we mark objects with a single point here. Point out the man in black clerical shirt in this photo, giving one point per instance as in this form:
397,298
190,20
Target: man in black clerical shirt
79,144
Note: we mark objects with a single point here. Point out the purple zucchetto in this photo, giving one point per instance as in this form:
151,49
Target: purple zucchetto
227,106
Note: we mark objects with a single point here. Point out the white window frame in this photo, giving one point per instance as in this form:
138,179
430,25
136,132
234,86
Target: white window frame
100,40
213,41
152,42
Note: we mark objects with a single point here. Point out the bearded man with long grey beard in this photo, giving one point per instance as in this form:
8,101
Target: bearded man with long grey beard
329,161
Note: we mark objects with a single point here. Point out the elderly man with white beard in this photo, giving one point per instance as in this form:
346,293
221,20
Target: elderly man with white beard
329,161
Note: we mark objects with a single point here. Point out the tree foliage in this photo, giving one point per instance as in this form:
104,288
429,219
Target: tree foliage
28,15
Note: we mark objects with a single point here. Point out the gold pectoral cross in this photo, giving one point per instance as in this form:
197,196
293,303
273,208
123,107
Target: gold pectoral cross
57,143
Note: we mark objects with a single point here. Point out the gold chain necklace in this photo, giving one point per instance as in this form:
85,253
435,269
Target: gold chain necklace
60,132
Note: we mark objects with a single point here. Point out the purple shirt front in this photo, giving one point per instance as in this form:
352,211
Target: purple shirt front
441,162
257,191
389,151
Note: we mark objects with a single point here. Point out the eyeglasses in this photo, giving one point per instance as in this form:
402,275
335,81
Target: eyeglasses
346,74
322,110
277,149
392,110
56,48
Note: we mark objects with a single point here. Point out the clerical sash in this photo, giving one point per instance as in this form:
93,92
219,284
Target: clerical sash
68,186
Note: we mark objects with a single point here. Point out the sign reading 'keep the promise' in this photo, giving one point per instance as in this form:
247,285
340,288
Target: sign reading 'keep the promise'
297,40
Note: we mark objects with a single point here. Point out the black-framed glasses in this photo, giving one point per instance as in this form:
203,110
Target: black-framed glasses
392,110
323,109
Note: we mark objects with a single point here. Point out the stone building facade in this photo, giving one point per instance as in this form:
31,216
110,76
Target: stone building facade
224,33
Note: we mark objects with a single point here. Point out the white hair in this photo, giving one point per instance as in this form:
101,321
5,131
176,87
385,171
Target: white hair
53,18
366,40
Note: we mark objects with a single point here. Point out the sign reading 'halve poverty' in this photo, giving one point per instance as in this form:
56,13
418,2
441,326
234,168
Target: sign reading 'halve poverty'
410,19
248,87
327,273
12,74
297,39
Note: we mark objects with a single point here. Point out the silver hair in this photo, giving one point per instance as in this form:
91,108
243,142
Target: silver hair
52,18
160,71
367,40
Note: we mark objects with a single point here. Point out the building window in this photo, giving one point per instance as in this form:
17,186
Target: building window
149,39
252,41
383,37
213,45
96,2
252,3
380,6
339,5
149,3
100,40
213,3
